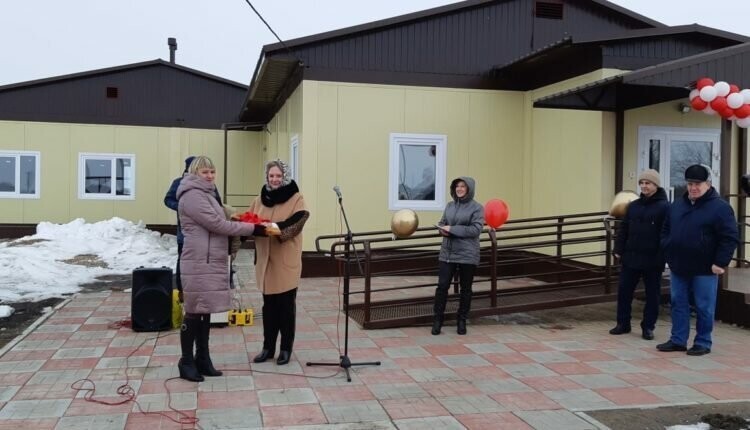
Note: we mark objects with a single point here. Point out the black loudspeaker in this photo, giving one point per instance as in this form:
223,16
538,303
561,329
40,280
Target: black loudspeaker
151,301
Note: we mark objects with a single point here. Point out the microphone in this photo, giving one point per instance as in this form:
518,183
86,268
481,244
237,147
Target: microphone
337,190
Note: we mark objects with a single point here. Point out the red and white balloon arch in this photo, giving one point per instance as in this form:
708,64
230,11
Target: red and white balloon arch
723,99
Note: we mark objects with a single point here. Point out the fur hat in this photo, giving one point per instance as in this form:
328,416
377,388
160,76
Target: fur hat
698,173
650,175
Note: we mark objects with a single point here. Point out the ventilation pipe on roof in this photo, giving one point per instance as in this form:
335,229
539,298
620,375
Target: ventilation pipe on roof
172,42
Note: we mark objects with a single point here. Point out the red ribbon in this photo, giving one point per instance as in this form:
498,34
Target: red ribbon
252,218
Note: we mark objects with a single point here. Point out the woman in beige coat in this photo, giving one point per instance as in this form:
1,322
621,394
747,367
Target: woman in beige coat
204,265
278,259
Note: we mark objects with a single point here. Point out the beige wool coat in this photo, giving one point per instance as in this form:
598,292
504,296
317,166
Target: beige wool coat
278,265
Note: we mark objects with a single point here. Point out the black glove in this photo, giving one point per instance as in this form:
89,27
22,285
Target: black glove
260,230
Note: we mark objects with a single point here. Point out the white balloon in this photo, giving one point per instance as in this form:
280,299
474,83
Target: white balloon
722,88
709,110
693,94
746,96
735,100
732,118
708,93
743,122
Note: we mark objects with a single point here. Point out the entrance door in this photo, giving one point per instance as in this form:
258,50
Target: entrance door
672,150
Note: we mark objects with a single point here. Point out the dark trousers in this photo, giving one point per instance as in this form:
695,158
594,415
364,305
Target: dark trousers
279,316
465,279
178,281
629,278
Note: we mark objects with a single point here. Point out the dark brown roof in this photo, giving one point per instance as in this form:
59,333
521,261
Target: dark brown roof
451,46
126,67
655,84
152,93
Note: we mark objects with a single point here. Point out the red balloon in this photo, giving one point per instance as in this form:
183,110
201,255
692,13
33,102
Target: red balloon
733,88
726,112
719,104
703,82
496,213
742,111
698,103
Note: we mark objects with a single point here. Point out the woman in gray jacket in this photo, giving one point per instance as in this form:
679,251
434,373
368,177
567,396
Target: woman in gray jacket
461,224
204,264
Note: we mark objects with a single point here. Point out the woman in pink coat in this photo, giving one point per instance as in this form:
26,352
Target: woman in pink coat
204,264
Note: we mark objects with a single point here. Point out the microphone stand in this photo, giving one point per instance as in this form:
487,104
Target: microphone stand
344,361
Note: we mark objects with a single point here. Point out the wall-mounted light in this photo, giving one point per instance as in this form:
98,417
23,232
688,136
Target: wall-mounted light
684,108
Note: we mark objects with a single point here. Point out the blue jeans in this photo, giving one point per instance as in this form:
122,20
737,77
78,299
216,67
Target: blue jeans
704,293
628,281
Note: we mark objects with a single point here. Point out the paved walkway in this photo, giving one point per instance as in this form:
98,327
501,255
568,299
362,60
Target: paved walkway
539,372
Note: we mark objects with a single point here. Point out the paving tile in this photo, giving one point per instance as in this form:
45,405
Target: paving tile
162,402
488,348
465,360
598,381
7,392
581,399
567,345
59,390
289,396
397,391
98,422
497,386
478,404
122,362
507,358
724,391
615,367
549,357
429,423
73,353
344,393
526,401
227,383
36,345
354,412
413,408
554,420
284,416
678,394
550,383
36,424
575,368
689,377
433,374
526,370
230,418
21,366
49,377
451,389
629,396
493,421
34,409
698,363
57,328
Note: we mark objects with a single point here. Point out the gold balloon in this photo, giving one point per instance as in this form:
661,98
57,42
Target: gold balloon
620,203
404,223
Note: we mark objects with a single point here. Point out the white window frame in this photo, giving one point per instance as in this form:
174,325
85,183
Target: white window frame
17,193
441,142
83,156
294,157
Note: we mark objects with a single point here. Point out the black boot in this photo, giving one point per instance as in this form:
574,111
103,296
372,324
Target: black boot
461,326
202,356
188,334
284,357
264,355
437,324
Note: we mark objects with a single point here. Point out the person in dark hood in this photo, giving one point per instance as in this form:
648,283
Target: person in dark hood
460,225
638,247
699,238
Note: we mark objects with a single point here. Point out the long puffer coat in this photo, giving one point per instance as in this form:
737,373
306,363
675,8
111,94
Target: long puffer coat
638,238
204,264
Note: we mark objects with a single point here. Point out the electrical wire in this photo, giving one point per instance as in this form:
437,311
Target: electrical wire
271,30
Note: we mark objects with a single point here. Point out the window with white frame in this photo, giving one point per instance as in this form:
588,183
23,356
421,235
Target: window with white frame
106,176
416,177
294,157
19,174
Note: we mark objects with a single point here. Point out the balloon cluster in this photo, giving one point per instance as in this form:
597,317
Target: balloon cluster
726,100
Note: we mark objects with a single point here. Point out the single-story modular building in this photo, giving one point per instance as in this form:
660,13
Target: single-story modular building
550,105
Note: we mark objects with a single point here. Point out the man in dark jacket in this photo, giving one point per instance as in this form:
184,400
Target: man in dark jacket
699,238
638,247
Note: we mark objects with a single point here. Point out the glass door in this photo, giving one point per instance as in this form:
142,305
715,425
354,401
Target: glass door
672,150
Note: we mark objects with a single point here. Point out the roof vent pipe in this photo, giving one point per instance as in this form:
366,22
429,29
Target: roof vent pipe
172,42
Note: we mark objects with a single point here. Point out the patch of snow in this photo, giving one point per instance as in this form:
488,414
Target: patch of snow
6,311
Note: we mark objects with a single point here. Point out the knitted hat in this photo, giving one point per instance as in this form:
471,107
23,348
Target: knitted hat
650,175
188,161
697,173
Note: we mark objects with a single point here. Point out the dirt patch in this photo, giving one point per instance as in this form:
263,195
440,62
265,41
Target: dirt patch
87,260
107,283
24,315
724,416
27,242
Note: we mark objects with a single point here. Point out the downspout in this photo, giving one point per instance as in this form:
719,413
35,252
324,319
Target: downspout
226,160
619,148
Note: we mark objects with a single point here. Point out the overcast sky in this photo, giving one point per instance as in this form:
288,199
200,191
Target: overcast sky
44,38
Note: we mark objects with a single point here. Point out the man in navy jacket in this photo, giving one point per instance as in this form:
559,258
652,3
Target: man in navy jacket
699,238
170,200
638,247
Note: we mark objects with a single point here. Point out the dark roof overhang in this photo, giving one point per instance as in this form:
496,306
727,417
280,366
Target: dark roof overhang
569,58
274,80
655,84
